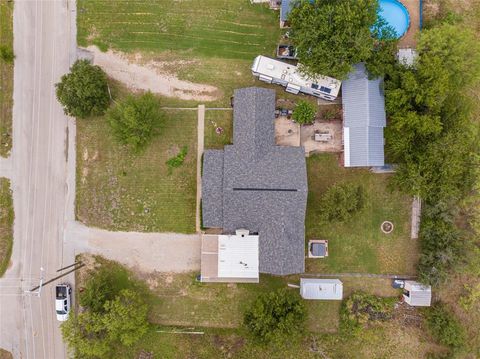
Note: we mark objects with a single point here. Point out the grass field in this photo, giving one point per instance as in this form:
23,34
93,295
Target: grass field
211,41
179,302
358,245
119,190
6,224
213,120
232,29
6,79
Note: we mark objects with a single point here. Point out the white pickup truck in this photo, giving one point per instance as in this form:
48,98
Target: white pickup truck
63,301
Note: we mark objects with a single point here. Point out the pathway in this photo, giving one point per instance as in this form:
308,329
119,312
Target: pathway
200,145
6,167
416,216
147,252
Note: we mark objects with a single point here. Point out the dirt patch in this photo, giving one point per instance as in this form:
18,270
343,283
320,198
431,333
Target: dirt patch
150,76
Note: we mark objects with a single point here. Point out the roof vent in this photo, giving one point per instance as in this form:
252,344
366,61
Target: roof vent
242,232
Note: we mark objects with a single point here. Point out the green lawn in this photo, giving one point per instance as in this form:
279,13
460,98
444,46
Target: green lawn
6,79
6,224
358,245
205,41
213,120
119,190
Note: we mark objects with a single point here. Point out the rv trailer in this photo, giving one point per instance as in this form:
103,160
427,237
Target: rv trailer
281,73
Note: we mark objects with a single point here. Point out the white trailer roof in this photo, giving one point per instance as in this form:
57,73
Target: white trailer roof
419,295
238,256
290,73
327,289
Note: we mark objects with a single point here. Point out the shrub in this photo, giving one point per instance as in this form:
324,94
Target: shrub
103,285
341,201
275,315
178,160
84,91
6,54
445,327
360,308
304,112
134,121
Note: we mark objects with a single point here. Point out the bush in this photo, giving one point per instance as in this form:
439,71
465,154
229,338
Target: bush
134,121
341,201
178,160
6,54
274,316
304,112
102,286
360,308
84,91
445,327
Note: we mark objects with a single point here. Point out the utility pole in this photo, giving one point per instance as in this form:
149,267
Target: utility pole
39,287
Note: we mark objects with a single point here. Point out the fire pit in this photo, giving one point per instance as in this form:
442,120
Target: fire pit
387,227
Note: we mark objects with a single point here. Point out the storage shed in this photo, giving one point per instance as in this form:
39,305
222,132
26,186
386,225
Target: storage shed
326,289
417,294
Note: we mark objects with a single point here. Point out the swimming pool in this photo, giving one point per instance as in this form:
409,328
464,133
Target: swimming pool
396,15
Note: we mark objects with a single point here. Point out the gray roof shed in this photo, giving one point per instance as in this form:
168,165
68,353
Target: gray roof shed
256,185
364,119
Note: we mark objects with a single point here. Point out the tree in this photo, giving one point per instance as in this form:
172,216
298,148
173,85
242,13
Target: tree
126,318
134,121
103,285
275,315
6,53
304,112
331,35
445,327
84,91
95,335
341,201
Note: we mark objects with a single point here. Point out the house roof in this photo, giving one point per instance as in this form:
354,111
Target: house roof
328,289
237,256
264,187
285,10
364,119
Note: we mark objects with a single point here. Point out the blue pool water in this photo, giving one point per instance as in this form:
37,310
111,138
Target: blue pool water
396,15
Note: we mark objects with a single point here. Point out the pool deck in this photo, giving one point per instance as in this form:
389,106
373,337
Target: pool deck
410,38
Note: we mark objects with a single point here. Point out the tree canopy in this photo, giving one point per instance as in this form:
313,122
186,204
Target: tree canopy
134,121
432,136
84,91
275,315
331,36
304,112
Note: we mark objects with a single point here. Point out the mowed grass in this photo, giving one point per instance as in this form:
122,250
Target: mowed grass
6,224
6,79
358,244
122,191
210,42
213,120
233,29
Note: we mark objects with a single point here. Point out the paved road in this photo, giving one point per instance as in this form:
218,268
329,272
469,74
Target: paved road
44,48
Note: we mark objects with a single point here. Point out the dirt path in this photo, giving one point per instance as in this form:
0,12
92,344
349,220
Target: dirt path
147,77
200,140
147,252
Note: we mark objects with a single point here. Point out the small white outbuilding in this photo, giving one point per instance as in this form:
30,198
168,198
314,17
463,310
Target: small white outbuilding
417,294
326,289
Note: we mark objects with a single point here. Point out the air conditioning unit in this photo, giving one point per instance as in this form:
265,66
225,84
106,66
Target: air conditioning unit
242,232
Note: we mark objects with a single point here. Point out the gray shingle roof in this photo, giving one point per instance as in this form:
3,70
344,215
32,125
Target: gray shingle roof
264,186
212,188
364,115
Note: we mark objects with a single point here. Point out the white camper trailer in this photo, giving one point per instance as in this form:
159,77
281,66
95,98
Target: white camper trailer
281,73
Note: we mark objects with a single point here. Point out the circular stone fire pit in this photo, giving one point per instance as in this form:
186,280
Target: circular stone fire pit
387,227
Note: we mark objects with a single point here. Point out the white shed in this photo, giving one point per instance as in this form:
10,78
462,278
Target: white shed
326,289
417,294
